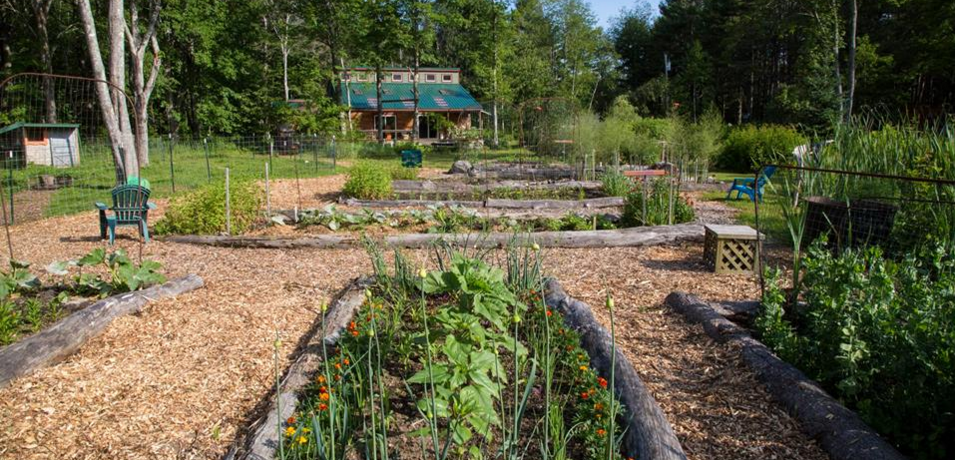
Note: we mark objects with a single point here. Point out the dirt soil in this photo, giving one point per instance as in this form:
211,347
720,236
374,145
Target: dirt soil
182,378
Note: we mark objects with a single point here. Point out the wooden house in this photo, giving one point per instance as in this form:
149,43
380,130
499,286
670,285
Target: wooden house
442,102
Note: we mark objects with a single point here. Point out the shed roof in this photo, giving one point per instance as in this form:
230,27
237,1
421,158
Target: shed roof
433,97
21,124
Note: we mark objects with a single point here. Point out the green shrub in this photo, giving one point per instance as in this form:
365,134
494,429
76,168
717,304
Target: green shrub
368,182
616,184
878,333
202,211
402,173
573,222
750,147
657,205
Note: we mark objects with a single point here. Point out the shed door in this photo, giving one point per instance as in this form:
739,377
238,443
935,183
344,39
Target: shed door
60,149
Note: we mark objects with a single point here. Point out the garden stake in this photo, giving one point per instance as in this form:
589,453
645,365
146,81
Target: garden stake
172,169
268,195
205,148
228,213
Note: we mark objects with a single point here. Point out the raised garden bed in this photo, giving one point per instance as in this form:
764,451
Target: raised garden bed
840,431
67,335
466,361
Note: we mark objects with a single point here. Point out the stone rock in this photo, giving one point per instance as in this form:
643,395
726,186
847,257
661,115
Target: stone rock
461,167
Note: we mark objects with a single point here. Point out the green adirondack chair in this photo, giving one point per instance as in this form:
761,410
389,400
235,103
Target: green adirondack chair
130,208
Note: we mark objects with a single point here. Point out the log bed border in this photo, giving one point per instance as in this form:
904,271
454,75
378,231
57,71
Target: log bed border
66,336
627,237
649,435
840,431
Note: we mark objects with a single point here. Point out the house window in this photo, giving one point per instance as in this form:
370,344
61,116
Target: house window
446,78
35,136
360,76
430,77
396,77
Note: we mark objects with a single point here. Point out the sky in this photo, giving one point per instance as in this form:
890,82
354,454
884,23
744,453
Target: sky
608,9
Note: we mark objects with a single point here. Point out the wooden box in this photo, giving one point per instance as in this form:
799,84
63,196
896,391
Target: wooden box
731,248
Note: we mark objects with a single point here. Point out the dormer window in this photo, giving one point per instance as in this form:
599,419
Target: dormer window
396,77
446,78
430,77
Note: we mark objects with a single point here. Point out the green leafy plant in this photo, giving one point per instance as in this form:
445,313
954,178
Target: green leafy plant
877,333
19,278
368,181
202,211
654,207
124,274
616,184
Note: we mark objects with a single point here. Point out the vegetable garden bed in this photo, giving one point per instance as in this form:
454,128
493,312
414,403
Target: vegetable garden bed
468,361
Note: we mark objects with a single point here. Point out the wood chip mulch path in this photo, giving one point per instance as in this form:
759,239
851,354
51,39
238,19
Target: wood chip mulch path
180,379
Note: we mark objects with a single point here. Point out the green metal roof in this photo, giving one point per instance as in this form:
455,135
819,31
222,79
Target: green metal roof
433,97
37,125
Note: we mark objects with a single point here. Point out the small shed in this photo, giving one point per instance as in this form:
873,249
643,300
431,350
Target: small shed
50,144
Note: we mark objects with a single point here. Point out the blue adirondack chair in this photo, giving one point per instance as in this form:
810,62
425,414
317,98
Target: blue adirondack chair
411,158
744,185
130,208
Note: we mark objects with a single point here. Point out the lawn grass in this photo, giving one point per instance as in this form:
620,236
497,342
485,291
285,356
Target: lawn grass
772,223
192,164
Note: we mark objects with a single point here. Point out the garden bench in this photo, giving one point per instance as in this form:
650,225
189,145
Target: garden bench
744,185
130,208
731,248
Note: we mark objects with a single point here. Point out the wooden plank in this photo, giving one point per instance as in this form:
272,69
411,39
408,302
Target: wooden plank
646,173
67,335
648,434
840,431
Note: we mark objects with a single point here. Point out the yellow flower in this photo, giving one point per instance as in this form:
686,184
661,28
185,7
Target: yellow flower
324,307
302,440
516,319
583,368
289,431
423,273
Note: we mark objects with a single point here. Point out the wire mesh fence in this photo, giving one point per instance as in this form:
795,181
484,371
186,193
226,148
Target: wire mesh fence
839,210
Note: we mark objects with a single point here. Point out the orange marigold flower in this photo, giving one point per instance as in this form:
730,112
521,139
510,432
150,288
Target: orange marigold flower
601,432
346,361
549,313
322,407
354,333
352,325
583,368
290,420
584,395
598,406
602,382
338,366
321,379
323,396
289,431
338,377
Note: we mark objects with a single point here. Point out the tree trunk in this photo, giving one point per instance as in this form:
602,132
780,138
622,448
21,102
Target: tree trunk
119,141
142,88
852,58
378,104
41,9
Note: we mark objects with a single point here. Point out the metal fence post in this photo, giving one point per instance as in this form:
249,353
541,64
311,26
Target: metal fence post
172,168
228,207
644,200
10,185
334,155
205,147
268,194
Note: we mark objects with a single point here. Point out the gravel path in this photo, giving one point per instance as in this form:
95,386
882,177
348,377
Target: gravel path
180,379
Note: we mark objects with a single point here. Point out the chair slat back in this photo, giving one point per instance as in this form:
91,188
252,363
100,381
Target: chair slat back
129,203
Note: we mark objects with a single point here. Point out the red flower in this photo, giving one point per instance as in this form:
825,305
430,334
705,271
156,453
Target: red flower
584,395
602,382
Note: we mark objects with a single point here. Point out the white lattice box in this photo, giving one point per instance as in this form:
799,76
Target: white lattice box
731,248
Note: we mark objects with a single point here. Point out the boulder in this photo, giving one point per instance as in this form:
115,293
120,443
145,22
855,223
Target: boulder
461,167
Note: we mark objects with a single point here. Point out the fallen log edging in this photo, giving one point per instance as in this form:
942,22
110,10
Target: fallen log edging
495,203
67,335
627,237
649,434
262,440
840,431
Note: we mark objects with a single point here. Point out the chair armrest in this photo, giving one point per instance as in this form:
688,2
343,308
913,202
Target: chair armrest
101,206
150,205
